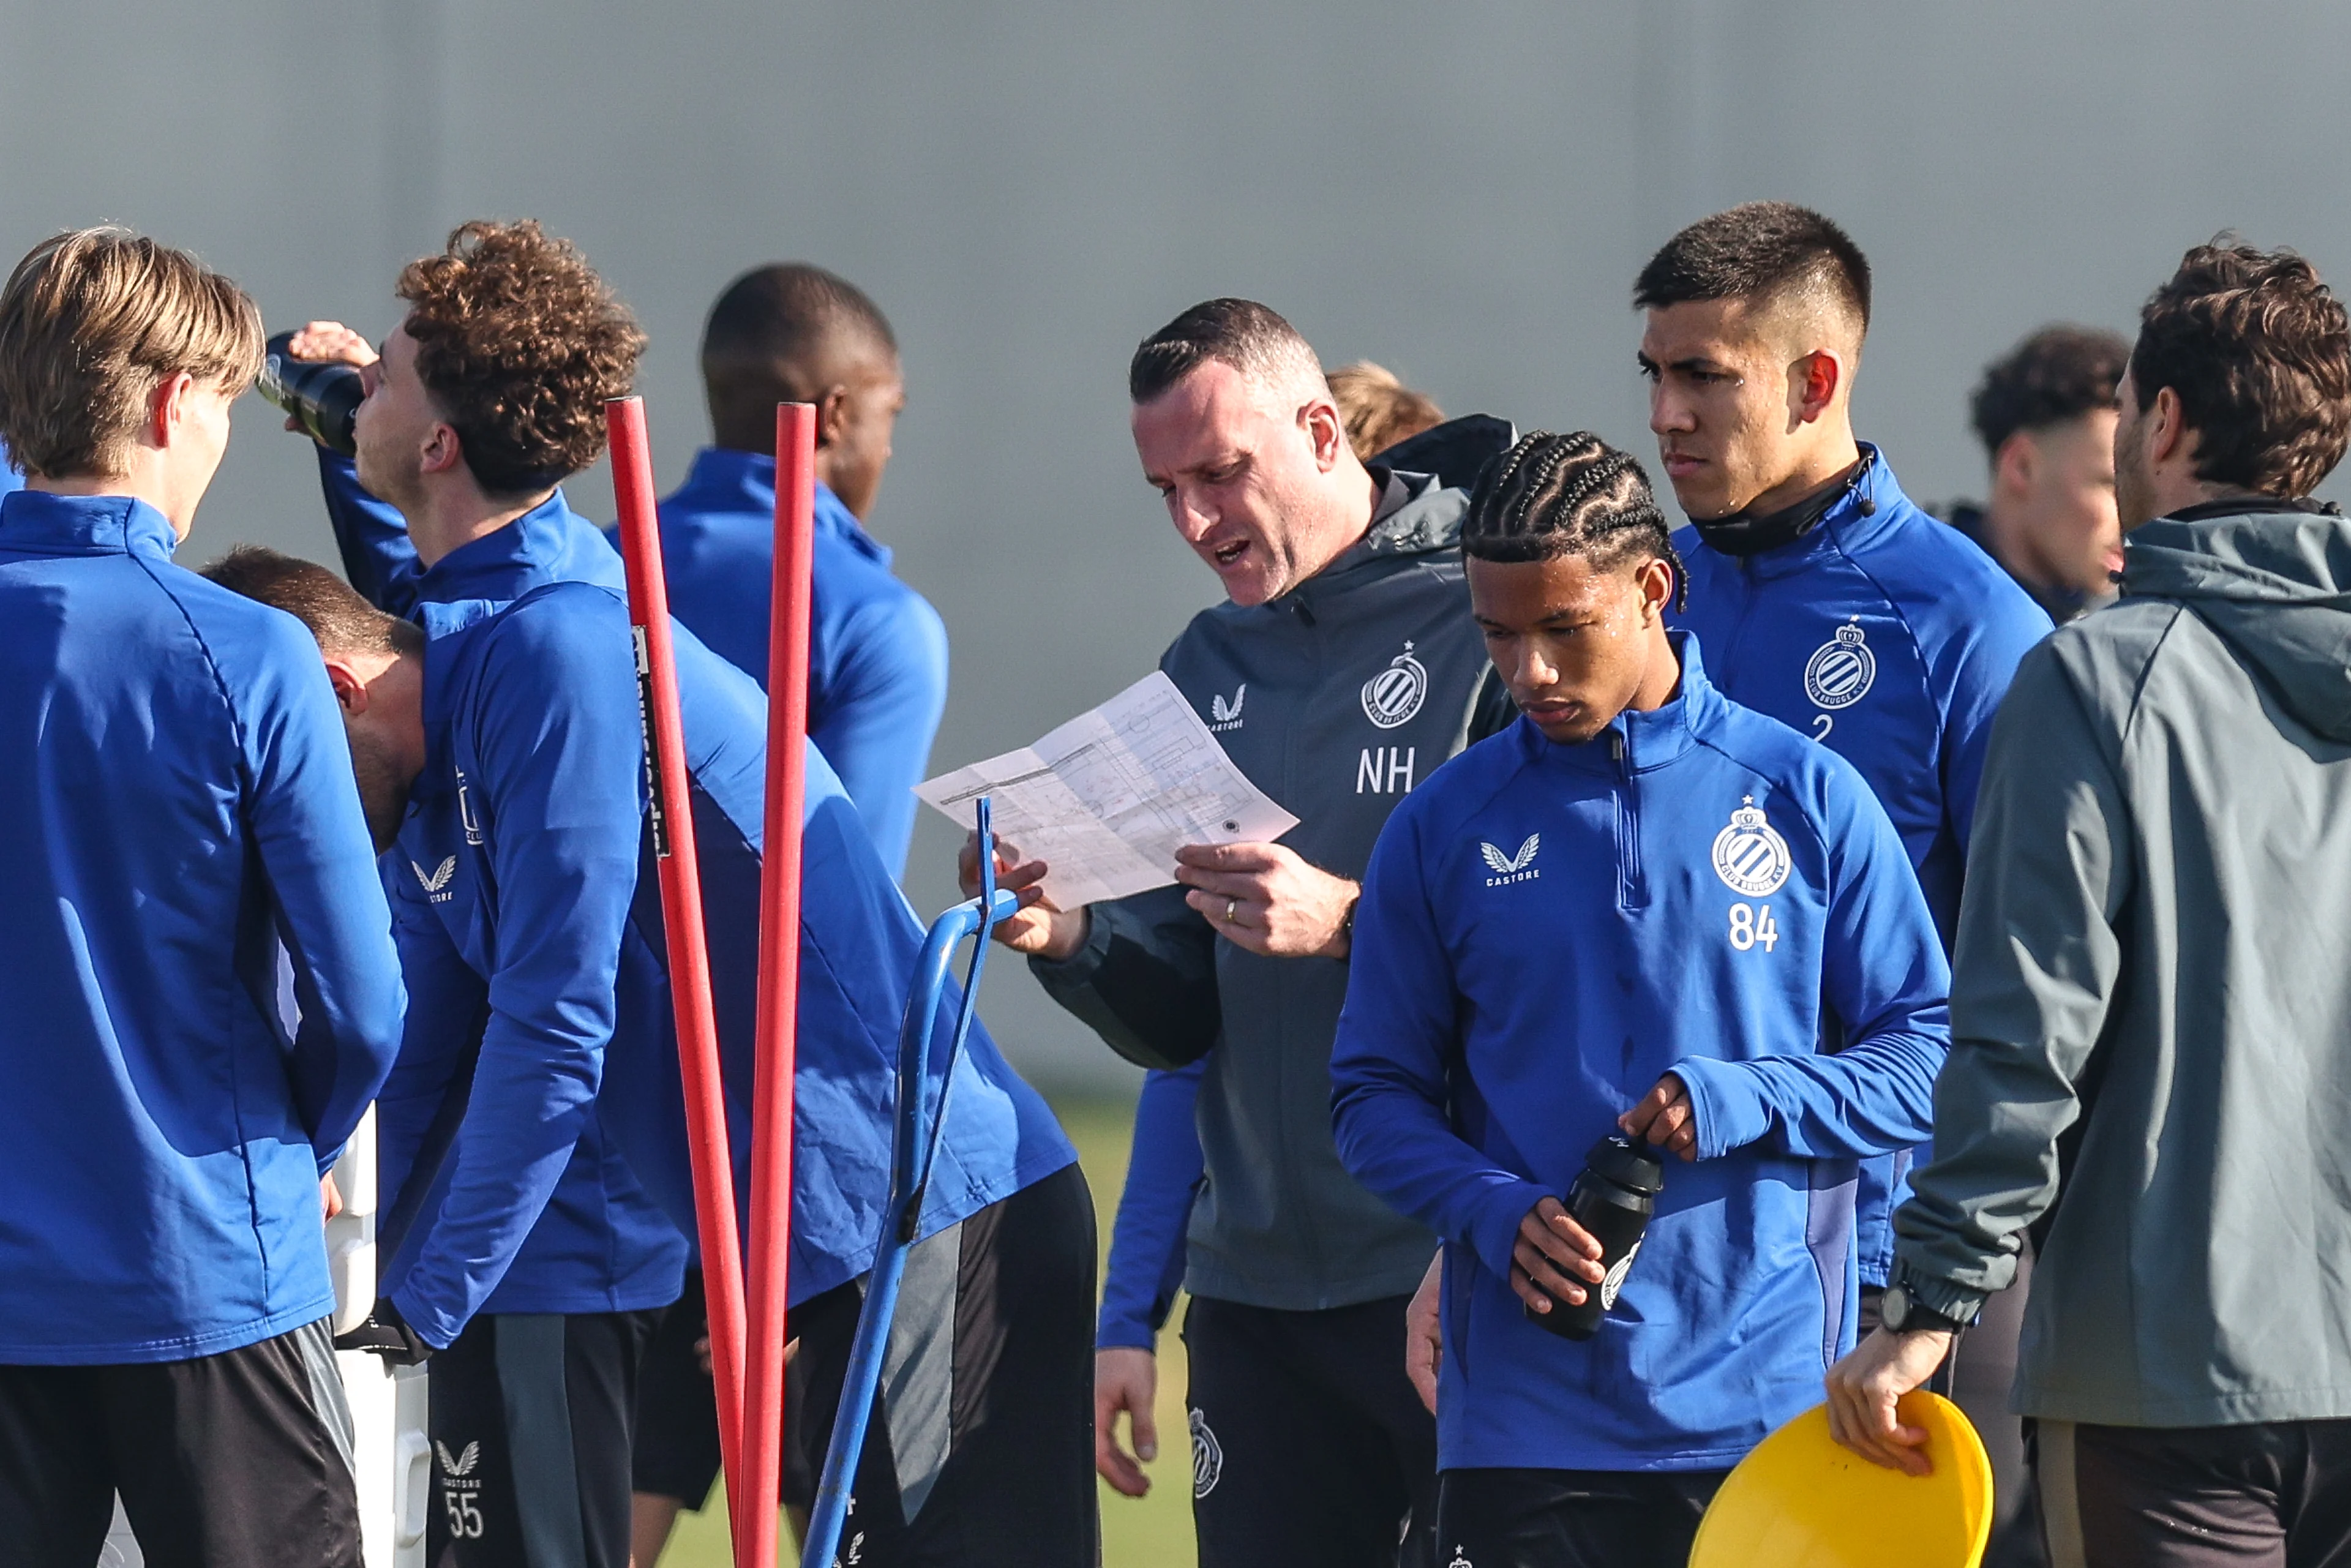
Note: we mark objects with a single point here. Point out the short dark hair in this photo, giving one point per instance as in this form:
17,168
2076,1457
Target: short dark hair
1757,251
1553,496
338,619
1251,338
521,344
770,340
2259,352
2055,376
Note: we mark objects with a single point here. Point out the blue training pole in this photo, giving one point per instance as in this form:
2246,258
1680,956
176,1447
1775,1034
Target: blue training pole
912,1146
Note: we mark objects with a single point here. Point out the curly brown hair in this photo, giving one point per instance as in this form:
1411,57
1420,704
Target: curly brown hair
2259,351
521,343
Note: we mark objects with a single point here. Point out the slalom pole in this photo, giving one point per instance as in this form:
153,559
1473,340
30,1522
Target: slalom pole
681,895
780,959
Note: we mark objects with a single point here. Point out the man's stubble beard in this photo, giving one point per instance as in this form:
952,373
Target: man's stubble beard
383,789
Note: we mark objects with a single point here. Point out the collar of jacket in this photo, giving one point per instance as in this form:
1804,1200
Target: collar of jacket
485,568
1417,515
39,523
1747,533
1861,509
1648,740
725,480
2249,507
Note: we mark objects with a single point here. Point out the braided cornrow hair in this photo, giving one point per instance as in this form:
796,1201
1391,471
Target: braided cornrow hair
1569,494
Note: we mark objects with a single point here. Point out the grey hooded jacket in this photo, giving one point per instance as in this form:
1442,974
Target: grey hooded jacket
2151,1004
1335,699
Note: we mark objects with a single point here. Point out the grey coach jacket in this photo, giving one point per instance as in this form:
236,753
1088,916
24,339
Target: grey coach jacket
1335,699
2151,1004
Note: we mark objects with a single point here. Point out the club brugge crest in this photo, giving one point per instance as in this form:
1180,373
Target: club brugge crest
1395,694
1840,670
1749,856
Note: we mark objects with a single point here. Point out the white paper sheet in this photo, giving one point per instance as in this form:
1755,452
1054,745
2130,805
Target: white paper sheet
1106,799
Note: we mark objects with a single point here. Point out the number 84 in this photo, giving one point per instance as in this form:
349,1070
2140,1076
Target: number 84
1751,927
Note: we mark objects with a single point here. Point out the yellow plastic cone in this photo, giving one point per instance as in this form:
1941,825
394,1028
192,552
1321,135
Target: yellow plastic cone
1800,1500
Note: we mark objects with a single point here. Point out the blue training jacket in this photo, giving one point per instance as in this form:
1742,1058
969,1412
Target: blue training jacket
178,792
1545,930
1891,638
858,941
877,651
1163,1172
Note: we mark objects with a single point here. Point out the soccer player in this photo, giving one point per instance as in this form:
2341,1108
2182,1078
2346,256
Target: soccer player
1822,595
1341,670
2045,414
179,803
509,348
1643,909
877,651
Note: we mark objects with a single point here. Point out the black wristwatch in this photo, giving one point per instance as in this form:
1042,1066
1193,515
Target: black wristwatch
1902,1312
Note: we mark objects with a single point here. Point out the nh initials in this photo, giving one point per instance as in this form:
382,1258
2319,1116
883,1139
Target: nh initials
1384,770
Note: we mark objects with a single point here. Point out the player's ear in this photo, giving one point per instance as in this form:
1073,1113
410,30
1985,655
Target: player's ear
1325,432
1654,576
833,415
351,689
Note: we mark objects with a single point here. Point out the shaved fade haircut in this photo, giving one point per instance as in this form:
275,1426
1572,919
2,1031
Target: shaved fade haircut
338,619
776,335
1253,339
1766,252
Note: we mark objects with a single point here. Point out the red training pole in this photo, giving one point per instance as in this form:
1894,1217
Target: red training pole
780,965
681,894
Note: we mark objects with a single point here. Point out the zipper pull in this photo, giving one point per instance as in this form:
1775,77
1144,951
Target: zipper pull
1616,745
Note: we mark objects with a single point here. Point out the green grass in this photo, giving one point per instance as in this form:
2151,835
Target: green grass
1152,1532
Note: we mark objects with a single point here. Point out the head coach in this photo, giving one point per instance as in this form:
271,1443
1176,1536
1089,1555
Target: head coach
1343,669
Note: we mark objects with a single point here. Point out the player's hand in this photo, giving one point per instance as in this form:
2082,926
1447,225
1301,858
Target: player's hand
1424,1333
1866,1387
1666,1117
333,344
1125,1378
1553,1254
330,1197
1038,928
1265,898
333,341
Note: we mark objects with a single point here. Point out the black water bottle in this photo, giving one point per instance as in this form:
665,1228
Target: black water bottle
1613,1197
322,395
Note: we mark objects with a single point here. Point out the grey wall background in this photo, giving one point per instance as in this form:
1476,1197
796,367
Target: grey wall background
1462,191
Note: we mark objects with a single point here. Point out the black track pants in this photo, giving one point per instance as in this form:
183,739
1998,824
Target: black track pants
1310,1449
2276,1495
1570,1518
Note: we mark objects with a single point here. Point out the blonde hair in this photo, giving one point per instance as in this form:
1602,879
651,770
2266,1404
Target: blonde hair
1377,409
90,321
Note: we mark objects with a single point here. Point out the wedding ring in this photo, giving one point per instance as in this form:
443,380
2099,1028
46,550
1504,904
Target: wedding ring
1231,906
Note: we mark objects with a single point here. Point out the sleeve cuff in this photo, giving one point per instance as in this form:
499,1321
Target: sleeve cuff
1124,1332
1495,1234
1080,966
1954,1301
1731,1115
